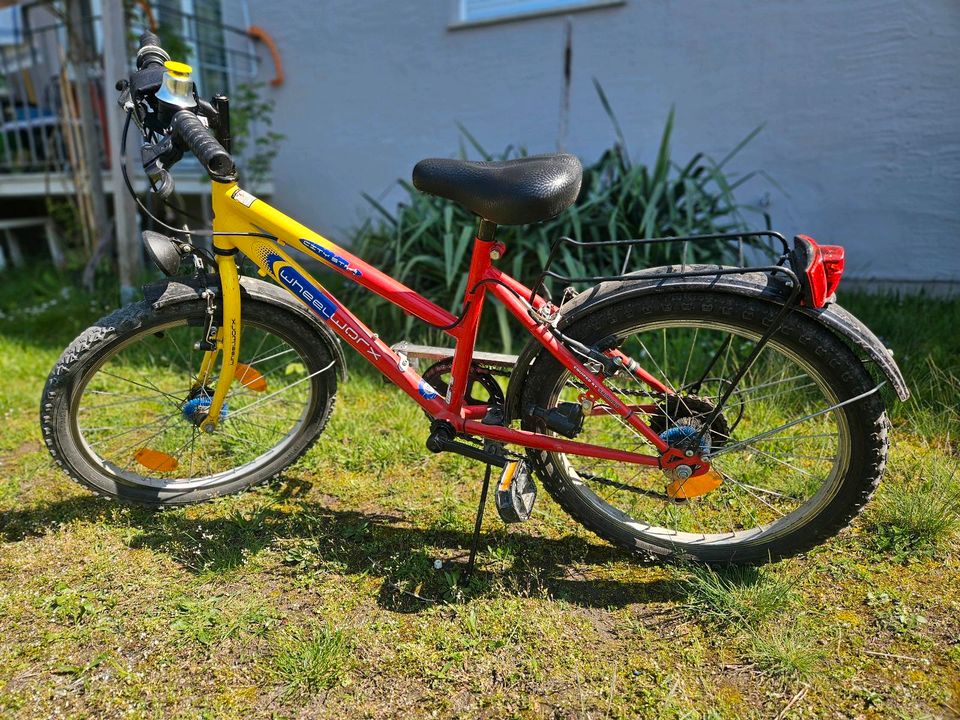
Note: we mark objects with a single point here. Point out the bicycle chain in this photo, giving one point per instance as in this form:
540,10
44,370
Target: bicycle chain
501,372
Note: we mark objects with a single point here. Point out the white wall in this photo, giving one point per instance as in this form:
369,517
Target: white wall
861,101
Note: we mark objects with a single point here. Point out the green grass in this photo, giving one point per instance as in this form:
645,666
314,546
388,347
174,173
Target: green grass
318,596
741,596
307,661
922,514
788,653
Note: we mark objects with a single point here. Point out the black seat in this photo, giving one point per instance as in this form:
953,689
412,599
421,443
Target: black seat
511,192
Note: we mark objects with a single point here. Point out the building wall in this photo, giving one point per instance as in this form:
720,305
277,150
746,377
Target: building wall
860,102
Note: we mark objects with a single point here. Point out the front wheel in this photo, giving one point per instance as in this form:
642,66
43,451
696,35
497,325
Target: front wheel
122,408
796,464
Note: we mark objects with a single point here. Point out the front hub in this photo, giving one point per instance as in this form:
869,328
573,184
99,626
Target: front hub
197,406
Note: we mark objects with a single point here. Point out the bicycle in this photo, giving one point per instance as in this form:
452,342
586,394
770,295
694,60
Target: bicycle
720,413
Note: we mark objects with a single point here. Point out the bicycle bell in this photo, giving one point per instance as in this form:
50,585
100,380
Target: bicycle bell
177,86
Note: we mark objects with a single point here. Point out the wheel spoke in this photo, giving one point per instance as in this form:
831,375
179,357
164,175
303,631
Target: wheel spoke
118,424
805,418
272,396
772,472
146,384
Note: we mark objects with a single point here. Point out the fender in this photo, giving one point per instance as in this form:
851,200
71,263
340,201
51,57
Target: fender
842,323
172,291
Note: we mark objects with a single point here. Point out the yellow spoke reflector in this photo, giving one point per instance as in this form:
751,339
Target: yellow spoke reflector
250,378
694,486
156,460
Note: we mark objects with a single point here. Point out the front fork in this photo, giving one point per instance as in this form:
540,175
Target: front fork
228,336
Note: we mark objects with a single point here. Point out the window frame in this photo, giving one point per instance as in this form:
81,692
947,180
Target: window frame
460,6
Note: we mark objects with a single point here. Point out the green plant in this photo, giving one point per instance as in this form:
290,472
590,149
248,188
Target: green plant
74,606
251,120
784,652
66,217
918,510
894,614
734,596
173,41
309,661
424,243
208,620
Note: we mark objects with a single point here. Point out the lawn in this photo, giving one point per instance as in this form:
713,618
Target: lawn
317,595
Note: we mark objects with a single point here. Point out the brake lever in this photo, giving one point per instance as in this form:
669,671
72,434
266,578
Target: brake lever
161,182
156,158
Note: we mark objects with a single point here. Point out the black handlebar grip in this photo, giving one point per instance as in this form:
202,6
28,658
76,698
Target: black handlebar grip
148,38
204,145
150,51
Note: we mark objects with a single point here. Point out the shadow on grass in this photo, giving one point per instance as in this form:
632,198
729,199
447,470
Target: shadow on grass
315,541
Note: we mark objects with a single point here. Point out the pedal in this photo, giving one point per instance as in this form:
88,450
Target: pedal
516,492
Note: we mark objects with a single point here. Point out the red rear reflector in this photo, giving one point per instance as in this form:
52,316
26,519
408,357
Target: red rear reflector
248,377
155,460
833,262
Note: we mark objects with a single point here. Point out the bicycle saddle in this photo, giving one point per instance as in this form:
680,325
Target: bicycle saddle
509,192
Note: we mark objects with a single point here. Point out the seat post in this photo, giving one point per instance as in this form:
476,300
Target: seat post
487,230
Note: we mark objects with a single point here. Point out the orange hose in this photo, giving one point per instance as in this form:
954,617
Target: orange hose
145,6
258,33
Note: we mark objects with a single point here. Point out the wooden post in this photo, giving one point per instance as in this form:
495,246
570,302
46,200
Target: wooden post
80,42
116,66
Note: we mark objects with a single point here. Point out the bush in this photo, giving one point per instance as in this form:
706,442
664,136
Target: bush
425,243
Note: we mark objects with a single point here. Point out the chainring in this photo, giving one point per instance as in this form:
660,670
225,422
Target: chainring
479,377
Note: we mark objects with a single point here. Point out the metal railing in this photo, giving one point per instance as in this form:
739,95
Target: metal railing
39,85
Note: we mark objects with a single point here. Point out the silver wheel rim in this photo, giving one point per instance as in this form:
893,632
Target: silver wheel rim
580,472
121,467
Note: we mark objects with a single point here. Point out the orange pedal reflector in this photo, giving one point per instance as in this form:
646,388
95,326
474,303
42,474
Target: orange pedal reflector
694,486
250,378
156,460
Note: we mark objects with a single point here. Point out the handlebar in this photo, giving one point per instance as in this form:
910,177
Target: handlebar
150,52
208,150
182,124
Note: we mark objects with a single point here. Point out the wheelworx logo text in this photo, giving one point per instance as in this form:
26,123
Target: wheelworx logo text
324,307
299,285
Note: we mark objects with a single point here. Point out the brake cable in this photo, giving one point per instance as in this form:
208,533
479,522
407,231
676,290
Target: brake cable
184,231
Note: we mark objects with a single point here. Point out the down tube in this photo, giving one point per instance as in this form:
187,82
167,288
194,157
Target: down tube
291,276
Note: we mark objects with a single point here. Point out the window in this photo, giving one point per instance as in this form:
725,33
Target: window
478,12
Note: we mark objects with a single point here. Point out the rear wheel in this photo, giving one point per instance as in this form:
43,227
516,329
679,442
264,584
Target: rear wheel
121,411
795,467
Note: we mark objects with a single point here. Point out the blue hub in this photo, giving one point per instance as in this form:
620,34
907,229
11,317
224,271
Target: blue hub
196,409
683,435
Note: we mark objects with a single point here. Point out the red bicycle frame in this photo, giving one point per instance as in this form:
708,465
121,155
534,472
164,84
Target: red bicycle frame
236,211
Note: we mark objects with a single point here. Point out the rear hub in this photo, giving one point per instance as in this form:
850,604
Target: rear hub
680,423
678,413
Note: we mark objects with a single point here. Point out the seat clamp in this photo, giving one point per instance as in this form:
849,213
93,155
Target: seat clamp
487,230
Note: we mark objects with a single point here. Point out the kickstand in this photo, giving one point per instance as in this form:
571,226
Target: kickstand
476,528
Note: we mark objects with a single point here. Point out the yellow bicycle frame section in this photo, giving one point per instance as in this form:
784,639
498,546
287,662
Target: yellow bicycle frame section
237,213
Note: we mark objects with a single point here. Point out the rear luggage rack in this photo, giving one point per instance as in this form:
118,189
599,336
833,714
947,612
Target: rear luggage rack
779,267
